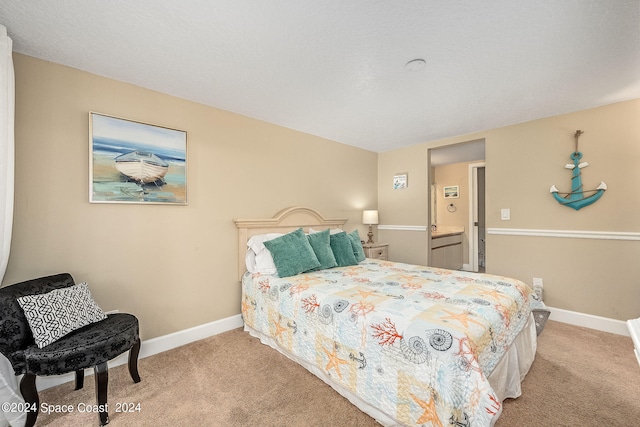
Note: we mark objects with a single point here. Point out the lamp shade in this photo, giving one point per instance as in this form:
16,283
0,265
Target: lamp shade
370,217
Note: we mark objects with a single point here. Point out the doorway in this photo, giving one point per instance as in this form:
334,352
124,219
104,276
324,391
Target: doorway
477,233
472,153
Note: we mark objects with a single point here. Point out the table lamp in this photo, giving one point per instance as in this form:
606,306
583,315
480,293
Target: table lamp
369,218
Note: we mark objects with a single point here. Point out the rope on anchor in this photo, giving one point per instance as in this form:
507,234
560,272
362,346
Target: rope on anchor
566,195
576,136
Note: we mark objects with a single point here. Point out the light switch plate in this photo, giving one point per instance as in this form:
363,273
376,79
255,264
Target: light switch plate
505,214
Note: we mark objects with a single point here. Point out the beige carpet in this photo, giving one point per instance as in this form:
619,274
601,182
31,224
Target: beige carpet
580,377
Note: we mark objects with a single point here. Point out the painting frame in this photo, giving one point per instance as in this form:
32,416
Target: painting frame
451,191
400,181
134,162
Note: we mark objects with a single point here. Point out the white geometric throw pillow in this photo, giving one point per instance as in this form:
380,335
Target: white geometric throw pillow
54,314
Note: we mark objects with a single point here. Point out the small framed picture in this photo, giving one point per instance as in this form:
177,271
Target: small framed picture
400,181
451,192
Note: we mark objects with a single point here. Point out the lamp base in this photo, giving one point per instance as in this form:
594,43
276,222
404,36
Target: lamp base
370,234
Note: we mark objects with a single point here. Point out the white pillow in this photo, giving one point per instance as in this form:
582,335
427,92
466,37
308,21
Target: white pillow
56,313
258,258
260,263
256,243
264,263
250,260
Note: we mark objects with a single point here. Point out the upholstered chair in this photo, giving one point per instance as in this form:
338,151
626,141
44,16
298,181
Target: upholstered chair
89,346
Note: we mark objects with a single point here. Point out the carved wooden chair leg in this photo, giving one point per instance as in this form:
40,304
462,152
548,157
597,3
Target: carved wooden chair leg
133,362
79,379
101,372
30,395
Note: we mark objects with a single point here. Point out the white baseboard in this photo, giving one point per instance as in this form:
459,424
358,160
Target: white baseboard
634,331
180,338
155,346
589,321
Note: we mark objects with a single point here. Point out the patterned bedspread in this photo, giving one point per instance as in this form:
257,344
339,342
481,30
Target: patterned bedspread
416,342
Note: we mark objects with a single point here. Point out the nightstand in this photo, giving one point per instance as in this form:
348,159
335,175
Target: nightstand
376,250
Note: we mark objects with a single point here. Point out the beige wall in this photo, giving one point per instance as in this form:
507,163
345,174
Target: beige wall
593,276
173,266
407,206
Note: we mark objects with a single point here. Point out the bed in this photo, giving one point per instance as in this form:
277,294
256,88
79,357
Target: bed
409,345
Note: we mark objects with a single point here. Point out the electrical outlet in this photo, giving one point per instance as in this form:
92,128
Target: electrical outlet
537,281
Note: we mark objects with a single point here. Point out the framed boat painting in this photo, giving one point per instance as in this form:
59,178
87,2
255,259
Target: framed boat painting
134,162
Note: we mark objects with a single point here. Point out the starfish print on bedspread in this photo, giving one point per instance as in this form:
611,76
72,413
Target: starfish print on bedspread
495,294
279,329
430,415
364,294
334,361
463,318
306,280
351,271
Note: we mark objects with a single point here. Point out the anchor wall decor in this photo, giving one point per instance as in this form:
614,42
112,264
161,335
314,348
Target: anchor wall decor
577,199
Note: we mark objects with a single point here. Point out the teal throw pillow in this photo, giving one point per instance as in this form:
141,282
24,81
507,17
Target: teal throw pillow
342,249
356,244
320,242
292,253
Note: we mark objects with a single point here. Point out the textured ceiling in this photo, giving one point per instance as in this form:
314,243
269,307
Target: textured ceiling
336,69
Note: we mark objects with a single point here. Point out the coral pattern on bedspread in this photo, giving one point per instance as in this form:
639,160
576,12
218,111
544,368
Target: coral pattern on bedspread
416,342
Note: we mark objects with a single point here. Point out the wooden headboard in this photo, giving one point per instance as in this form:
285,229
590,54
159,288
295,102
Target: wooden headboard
286,220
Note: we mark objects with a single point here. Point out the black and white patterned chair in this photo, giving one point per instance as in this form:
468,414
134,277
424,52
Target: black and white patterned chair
89,346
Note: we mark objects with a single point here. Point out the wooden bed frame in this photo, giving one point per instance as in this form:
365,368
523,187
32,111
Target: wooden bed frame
285,221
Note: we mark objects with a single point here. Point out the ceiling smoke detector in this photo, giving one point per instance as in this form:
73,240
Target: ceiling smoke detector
415,65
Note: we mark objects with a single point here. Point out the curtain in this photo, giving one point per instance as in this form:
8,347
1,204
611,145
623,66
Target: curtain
8,385
7,104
